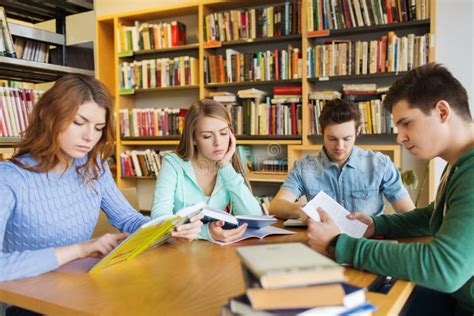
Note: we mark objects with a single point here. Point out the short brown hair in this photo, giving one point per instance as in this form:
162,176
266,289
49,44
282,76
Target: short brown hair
424,86
53,114
337,111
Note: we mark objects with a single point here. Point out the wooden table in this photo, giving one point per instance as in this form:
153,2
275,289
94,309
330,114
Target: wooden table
180,278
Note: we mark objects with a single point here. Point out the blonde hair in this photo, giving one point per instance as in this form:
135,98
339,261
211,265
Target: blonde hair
205,108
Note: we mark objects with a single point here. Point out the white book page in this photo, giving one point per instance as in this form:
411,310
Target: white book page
338,213
258,233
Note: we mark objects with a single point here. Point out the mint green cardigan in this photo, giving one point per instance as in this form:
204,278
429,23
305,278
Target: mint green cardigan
177,187
446,263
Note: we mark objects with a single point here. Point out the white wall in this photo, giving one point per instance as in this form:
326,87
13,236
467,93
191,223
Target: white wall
455,48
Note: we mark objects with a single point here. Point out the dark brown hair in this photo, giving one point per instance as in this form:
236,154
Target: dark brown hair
424,86
337,111
54,113
202,108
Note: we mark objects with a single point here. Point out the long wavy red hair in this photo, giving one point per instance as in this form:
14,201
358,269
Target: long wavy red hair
54,113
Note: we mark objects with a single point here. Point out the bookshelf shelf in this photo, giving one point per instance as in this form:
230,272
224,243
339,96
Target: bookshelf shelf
158,89
267,177
30,71
9,141
182,48
363,138
253,83
139,178
370,29
36,34
357,77
265,40
241,140
40,11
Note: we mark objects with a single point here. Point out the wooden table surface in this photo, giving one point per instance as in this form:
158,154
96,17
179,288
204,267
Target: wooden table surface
179,278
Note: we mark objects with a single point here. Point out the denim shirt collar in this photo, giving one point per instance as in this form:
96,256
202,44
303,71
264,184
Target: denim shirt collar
352,161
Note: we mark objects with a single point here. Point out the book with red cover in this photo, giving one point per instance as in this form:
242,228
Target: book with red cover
178,33
287,90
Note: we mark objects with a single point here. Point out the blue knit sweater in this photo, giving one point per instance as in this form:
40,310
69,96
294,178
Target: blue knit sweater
42,211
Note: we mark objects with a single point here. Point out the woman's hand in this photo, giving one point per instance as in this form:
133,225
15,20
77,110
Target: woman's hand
366,219
225,235
96,247
230,151
190,230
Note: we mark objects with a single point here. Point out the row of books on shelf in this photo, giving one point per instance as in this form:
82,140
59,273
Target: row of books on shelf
148,36
367,97
389,54
255,113
292,279
346,14
147,162
241,24
15,106
151,122
141,163
160,72
31,50
234,66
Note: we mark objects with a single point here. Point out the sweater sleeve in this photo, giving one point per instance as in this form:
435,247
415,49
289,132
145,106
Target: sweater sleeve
444,264
26,263
243,201
163,201
118,210
409,224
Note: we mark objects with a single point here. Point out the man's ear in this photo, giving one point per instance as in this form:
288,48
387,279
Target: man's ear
443,110
358,129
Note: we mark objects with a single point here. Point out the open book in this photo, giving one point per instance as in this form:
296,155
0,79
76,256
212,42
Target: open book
337,212
253,221
153,233
257,233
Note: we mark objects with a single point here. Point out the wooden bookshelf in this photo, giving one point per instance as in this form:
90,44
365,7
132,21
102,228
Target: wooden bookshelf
252,83
109,59
9,141
176,49
267,177
371,29
374,76
36,72
255,41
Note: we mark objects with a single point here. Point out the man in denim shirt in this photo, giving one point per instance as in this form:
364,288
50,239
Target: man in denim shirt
356,178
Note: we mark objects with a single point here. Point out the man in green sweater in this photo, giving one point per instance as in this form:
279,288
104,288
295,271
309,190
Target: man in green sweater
430,108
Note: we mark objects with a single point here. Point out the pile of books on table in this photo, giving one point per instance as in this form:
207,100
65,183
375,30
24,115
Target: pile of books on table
292,279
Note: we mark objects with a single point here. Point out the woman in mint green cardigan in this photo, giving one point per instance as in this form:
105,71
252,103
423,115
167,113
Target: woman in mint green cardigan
205,168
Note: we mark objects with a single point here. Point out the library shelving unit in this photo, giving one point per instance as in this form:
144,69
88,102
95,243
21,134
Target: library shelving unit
17,69
193,15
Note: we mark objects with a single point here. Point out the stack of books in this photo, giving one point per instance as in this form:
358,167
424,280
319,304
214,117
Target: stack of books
151,122
291,279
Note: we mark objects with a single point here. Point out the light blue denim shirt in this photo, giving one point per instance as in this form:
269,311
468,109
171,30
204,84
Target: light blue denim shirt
359,185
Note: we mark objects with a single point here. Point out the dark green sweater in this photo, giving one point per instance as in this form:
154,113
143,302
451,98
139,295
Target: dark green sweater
446,263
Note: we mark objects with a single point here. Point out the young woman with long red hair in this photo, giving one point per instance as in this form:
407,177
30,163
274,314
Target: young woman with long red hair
58,180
